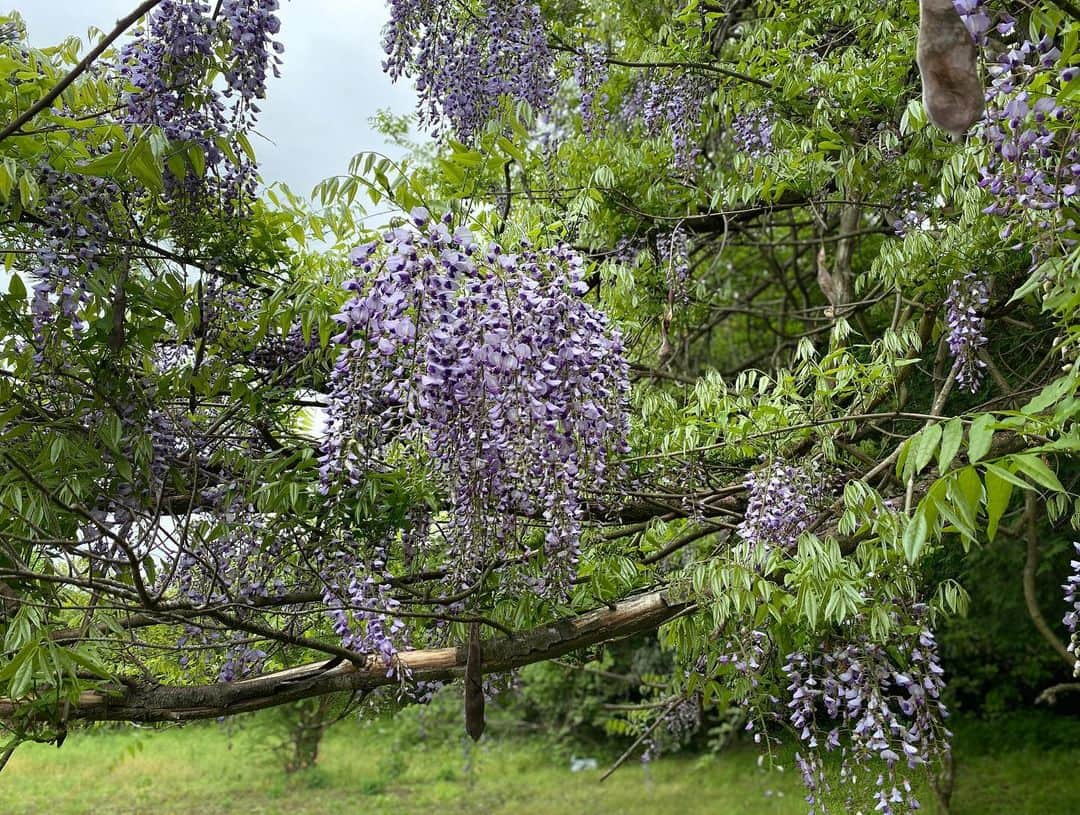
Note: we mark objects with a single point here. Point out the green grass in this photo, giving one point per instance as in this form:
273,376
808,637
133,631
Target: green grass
383,768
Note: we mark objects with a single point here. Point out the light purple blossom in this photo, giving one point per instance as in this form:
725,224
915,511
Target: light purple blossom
782,501
491,363
465,64
966,322
1072,598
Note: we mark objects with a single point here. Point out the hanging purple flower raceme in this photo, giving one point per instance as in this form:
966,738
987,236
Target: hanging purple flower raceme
910,209
1072,617
681,722
590,73
966,321
745,653
232,656
627,250
1034,163
167,63
975,17
252,26
232,558
669,102
490,364
69,255
241,659
879,706
782,502
281,354
751,131
885,712
357,595
464,63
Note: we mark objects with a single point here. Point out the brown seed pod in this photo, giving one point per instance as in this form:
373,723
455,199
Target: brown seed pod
947,58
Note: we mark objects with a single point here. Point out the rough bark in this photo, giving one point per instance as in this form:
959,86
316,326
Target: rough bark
162,703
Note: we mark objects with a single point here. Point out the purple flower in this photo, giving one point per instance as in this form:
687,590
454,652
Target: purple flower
1072,599
966,322
489,363
781,505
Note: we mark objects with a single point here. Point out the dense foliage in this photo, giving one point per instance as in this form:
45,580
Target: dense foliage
686,316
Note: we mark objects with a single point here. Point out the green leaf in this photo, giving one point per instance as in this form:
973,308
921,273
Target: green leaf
16,288
915,535
951,438
966,494
23,654
103,166
944,502
902,473
8,171
28,190
1035,468
24,675
998,492
145,167
1051,394
177,165
197,158
1007,475
91,663
928,443
981,436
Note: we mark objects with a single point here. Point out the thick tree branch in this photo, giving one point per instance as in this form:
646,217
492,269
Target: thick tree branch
162,703
1030,594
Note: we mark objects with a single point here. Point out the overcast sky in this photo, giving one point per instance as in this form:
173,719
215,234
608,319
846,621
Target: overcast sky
316,115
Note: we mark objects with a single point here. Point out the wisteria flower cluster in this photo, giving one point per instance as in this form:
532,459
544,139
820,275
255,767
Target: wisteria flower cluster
280,354
252,24
166,64
669,102
463,64
909,210
590,72
782,502
228,311
75,227
1072,617
975,17
885,712
232,559
358,600
491,364
681,722
1034,163
752,130
239,660
966,321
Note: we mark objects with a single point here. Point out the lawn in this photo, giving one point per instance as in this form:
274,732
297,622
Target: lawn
377,768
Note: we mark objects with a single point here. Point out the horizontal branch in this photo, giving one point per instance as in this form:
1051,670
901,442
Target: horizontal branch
122,25
163,703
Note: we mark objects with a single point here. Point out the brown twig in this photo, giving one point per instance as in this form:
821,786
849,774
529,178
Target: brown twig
122,25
